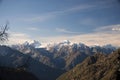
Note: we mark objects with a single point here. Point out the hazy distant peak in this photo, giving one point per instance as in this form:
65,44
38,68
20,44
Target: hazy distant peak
108,46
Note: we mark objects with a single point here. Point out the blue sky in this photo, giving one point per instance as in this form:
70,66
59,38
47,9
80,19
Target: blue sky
87,21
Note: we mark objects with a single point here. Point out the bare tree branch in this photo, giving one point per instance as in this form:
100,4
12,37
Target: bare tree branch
3,33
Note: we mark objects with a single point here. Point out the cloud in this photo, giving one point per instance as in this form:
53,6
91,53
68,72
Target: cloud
88,22
39,18
88,6
18,38
116,28
88,39
109,28
33,29
103,35
98,38
65,31
81,7
53,14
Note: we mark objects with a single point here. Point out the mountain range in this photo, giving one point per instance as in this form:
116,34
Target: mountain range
96,67
53,60
64,55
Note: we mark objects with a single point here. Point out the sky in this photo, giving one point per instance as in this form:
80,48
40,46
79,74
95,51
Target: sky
86,21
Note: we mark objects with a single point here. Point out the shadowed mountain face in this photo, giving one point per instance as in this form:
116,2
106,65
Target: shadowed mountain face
96,67
15,74
14,59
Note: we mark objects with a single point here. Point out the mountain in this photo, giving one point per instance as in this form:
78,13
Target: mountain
96,67
39,54
12,58
62,55
108,46
50,62
57,56
33,43
71,54
15,74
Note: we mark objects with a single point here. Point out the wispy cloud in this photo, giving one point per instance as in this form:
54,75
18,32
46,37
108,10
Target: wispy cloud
88,21
98,38
109,28
39,18
81,7
53,14
88,39
103,35
16,38
33,29
65,31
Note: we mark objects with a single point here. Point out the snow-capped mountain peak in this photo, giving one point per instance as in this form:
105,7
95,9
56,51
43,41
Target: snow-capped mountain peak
35,44
65,42
59,45
26,43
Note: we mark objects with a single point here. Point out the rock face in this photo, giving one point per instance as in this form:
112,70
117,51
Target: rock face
96,67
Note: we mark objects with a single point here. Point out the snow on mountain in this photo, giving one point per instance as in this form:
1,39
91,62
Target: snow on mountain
64,52
27,47
62,47
65,42
35,44
58,45
66,46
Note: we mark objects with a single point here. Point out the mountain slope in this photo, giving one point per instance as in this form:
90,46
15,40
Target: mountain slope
96,67
63,55
15,59
74,53
15,74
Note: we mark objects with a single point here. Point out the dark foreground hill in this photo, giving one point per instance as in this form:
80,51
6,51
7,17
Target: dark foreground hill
11,58
96,67
15,74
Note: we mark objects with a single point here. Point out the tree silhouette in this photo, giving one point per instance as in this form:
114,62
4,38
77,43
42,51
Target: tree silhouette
3,33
